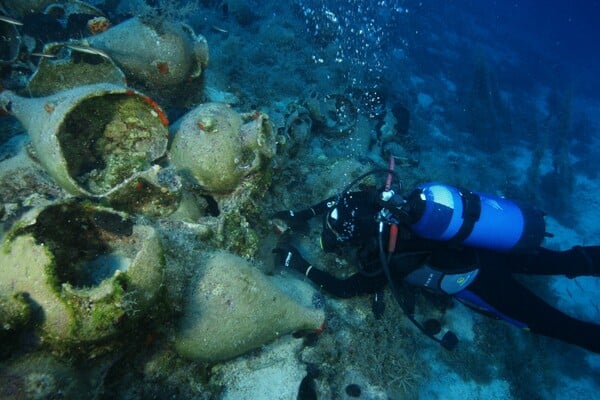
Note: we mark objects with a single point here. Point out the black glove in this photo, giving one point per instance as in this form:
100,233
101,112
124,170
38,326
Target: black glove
289,257
298,221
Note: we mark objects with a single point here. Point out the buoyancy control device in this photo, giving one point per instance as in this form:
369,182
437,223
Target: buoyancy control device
447,213
443,212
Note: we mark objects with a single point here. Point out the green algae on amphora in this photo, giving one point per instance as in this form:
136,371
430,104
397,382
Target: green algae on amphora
92,139
89,271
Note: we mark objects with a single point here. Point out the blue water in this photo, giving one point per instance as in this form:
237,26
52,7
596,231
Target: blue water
485,85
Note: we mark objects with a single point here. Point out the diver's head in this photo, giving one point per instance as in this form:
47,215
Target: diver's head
350,221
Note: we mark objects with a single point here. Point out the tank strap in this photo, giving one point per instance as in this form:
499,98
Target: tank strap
471,203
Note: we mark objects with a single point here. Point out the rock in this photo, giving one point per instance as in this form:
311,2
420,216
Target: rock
39,376
256,376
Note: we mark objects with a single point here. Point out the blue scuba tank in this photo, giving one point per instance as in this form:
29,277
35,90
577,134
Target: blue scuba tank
447,213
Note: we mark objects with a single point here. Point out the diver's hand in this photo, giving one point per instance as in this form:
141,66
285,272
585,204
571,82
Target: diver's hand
289,257
297,221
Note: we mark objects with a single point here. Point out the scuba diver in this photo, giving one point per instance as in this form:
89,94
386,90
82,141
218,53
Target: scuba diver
448,241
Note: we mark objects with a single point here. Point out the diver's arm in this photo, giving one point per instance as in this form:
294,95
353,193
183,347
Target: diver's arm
355,285
300,217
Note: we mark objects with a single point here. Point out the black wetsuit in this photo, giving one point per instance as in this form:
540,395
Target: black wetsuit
498,288
494,284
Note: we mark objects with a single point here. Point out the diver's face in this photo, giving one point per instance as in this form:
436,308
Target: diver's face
350,222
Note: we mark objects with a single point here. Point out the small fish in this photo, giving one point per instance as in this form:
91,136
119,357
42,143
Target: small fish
88,50
216,28
44,55
10,20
